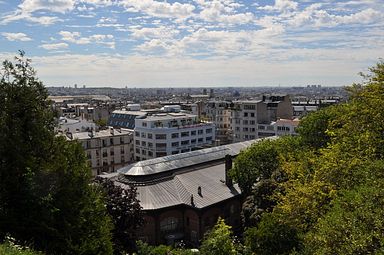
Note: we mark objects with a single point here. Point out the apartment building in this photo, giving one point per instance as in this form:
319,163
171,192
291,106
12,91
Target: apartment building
106,150
219,113
165,134
246,116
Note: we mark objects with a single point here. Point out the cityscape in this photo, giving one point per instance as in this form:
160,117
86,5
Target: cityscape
180,127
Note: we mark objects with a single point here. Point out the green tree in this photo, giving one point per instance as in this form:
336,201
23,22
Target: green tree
219,240
257,162
272,236
125,211
45,194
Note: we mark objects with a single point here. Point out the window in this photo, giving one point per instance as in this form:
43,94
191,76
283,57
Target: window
252,114
143,135
138,150
161,145
121,140
150,153
200,140
193,132
193,141
111,141
161,136
208,131
261,127
143,143
186,142
161,154
245,129
184,134
209,138
169,224
150,145
144,152
149,136
245,122
137,133
122,149
111,152
245,114
175,152
137,142
144,124
175,135
249,107
175,144
200,132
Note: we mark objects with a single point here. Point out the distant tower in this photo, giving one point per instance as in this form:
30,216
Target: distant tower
204,91
75,86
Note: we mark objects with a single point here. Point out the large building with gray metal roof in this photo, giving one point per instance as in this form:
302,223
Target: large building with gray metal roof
184,194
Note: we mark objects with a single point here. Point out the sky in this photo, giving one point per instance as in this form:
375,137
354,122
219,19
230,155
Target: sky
194,43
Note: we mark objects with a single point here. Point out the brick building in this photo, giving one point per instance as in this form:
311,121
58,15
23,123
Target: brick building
184,194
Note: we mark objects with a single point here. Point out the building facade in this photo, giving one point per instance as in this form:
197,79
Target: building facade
246,116
106,150
219,113
170,133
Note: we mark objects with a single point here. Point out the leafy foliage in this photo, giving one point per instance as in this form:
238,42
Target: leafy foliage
125,211
219,240
45,194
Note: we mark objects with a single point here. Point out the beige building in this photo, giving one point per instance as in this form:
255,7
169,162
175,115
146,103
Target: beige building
107,150
219,113
248,118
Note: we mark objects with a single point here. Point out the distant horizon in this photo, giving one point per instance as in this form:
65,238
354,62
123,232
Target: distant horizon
205,43
196,87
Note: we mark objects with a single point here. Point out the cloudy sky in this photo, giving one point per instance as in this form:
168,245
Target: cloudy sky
155,43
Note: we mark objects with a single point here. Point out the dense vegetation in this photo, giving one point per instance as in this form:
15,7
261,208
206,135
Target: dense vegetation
322,191
47,198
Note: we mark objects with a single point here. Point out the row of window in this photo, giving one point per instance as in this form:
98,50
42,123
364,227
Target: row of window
173,135
173,144
105,142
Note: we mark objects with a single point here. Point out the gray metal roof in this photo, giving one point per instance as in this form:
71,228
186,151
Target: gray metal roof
179,189
178,161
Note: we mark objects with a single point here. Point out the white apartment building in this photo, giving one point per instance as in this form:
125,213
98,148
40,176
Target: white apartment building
107,150
170,133
251,119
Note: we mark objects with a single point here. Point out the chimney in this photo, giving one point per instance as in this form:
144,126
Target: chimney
69,135
228,166
199,191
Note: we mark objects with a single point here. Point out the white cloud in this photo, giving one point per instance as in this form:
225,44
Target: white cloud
160,9
224,12
16,37
122,70
76,38
281,6
26,9
315,16
54,46
59,6
154,32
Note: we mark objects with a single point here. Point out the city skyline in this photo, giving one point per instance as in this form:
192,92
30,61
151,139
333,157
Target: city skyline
148,43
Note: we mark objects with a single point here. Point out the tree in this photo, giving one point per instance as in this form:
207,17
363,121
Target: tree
271,237
45,194
125,211
219,241
257,162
